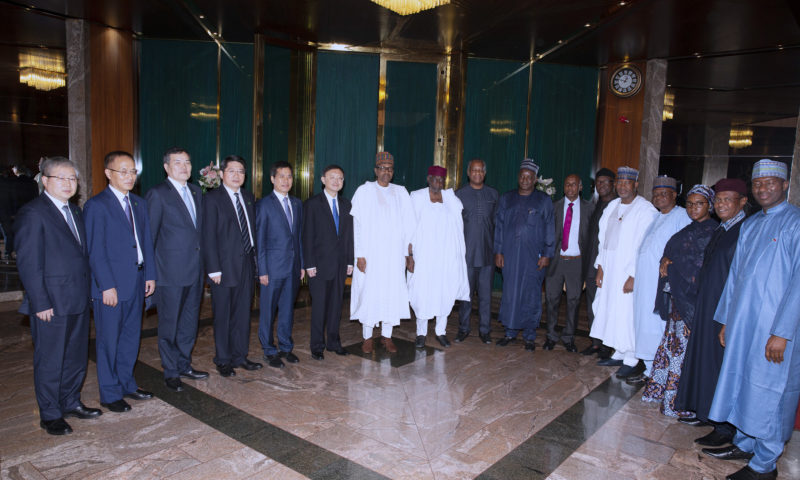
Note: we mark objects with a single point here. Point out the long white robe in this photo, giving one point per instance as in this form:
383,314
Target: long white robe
383,224
440,267
613,310
649,326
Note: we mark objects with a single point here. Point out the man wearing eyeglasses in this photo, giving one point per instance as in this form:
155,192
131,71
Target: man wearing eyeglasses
53,265
123,273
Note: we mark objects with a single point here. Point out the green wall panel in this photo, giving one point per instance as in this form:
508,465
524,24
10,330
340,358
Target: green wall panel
277,78
236,104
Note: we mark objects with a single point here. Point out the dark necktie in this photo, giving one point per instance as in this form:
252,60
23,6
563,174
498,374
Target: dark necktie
567,226
288,212
71,223
128,212
336,216
245,229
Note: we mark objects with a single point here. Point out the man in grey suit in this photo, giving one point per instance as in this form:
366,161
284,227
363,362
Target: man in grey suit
175,208
571,215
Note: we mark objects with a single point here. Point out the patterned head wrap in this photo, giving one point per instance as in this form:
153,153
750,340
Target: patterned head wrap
663,181
528,164
383,157
770,168
627,173
705,191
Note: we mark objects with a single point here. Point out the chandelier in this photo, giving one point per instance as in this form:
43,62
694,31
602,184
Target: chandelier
42,70
741,137
407,7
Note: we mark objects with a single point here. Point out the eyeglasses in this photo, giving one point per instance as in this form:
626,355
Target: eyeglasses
695,204
385,168
125,173
63,179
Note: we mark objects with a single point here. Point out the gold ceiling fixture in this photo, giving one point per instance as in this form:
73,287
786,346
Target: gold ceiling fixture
740,137
669,105
407,7
42,69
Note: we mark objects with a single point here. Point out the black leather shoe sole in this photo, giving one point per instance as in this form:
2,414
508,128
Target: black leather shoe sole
192,374
84,413
274,361
692,422
443,341
461,337
748,473
56,427
317,356
174,384
289,356
607,362
486,338
139,394
250,366
226,371
118,406
727,453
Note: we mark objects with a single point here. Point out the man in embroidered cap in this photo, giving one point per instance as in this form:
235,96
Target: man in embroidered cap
703,352
524,242
438,273
383,225
622,229
648,326
759,381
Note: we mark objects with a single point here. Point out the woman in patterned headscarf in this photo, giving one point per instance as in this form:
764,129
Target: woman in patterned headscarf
677,292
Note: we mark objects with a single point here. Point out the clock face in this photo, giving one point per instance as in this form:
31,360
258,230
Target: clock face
626,81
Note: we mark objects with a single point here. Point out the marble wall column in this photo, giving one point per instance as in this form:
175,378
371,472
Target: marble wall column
78,115
715,148
794,180
650,146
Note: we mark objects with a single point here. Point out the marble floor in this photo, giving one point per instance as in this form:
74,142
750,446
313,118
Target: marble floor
471,410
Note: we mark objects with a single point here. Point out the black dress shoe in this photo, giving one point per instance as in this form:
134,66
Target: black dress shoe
626,372
174,383
248,365
443,341
637,381
604,352
530,346
317,356
118,406
83,412
139,394
590,350
226,370
339,351
274,361
59,426
504,341
714,439
486,338
461,337
548,344
289,356
692,421
419,342
609,362
570,347
193,374
748,473
731,452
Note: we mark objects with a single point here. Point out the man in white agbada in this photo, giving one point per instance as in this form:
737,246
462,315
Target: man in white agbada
649,326
439,270
383,224
622,228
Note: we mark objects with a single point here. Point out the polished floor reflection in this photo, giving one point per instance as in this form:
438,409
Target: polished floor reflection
471,410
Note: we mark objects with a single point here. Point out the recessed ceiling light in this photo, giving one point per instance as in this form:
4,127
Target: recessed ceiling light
202,16
622,4
588,25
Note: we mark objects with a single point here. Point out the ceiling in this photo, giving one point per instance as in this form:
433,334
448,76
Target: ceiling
730,61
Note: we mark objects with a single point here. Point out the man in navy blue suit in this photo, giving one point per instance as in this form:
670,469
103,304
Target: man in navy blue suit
123,273
229,259
280,258
175,207
328,257
54,268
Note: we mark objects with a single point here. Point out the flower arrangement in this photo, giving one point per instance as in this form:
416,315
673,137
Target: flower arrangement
209,177
545,185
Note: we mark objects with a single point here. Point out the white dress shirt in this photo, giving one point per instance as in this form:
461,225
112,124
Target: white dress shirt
59,205
574,249
121,198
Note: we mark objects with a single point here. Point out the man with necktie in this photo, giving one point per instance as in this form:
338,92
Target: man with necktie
123,273
53,265
280,259
175,208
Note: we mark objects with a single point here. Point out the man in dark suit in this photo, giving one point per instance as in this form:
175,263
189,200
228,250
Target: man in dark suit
176,213
53,265
229,260
571,215
279,221
328,257
123,273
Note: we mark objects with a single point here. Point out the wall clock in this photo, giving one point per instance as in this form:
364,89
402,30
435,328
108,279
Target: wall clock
626,81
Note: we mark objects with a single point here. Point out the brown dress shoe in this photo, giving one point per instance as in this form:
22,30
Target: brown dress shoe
387,342
366,347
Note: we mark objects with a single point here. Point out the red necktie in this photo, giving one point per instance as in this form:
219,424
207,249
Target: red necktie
567,225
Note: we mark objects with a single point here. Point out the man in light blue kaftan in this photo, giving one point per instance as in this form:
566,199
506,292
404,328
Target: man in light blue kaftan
524,241
759,382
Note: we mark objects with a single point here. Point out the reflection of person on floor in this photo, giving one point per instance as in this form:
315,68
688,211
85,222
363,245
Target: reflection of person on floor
759,382
680,267
524,239
703,352
54,269
440,269
383,223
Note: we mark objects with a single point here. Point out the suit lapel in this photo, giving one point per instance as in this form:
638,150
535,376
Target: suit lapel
326,207
116,208
58,218
279,207
177,200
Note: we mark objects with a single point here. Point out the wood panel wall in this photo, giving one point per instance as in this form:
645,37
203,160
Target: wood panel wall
617,141
112,97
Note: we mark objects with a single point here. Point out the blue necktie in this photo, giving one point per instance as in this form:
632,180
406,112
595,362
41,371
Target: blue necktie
187,199
336,216
288,212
